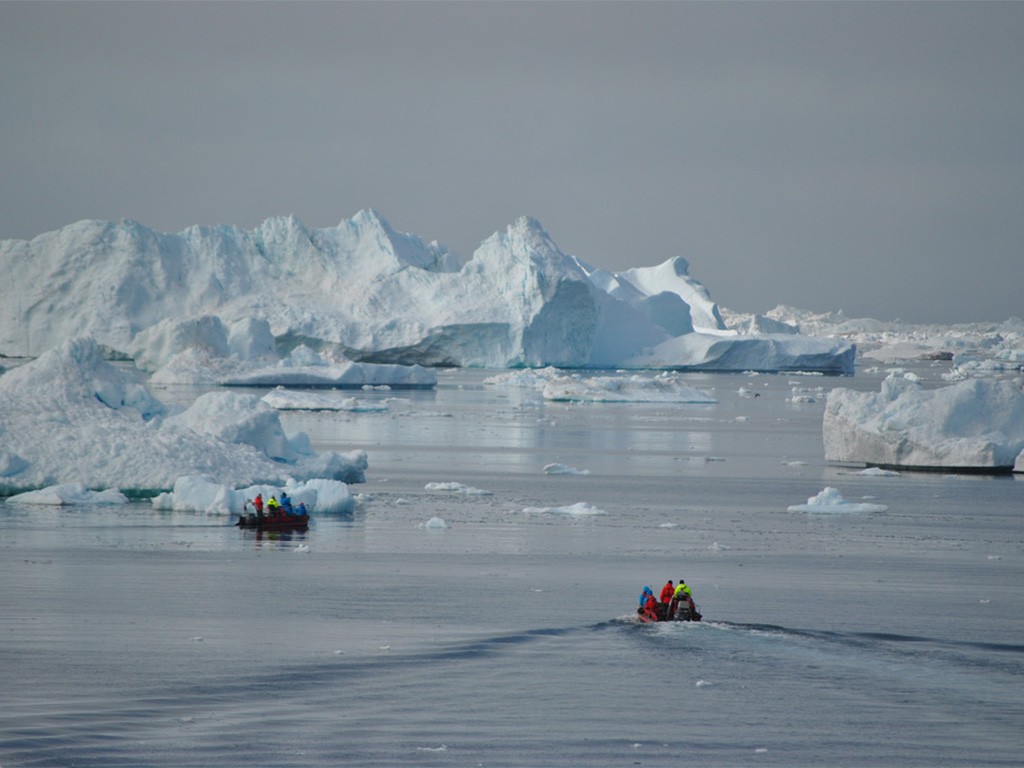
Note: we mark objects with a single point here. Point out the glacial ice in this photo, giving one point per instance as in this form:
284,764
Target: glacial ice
973,424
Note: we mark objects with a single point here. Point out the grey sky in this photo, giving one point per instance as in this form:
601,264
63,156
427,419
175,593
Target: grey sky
867,157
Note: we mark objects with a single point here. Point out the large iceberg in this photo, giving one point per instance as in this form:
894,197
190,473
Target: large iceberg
71,417
972,425
366,293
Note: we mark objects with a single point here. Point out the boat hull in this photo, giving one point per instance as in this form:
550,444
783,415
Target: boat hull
273,522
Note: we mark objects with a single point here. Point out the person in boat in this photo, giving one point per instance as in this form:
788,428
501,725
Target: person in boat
301,510
257,503
652,609
667,592
286,503
273,506
646,594
683,594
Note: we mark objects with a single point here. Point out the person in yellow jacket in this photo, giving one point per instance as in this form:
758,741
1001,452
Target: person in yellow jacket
683,594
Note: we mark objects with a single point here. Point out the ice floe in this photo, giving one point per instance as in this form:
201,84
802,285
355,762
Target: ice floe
283,399
579,509
563,469
831,501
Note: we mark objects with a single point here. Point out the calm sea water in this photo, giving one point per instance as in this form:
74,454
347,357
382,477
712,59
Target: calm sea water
130,637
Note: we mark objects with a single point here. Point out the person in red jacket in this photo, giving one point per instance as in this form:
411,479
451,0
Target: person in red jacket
666,592
652,609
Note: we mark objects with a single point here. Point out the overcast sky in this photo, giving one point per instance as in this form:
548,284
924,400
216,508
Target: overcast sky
863,156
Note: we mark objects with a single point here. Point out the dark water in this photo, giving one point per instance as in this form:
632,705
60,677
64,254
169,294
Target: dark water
130,637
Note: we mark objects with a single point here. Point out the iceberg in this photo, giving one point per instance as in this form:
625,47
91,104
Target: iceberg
212,301
71,417
976,424
770,353
201,493
69,493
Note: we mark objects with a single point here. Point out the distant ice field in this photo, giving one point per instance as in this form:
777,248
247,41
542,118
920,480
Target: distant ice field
131,636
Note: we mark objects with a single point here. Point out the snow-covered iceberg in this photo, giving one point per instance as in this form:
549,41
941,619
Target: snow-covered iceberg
972,425
369,294
71,417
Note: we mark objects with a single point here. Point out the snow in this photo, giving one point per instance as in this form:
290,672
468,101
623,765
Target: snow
974,424
71,417
363,292
831,501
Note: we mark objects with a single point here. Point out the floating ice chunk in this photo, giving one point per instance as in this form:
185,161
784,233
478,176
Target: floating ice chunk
562,469
663,388
457,488
436,523
878,472
67,494
830,500
290,400
579,509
